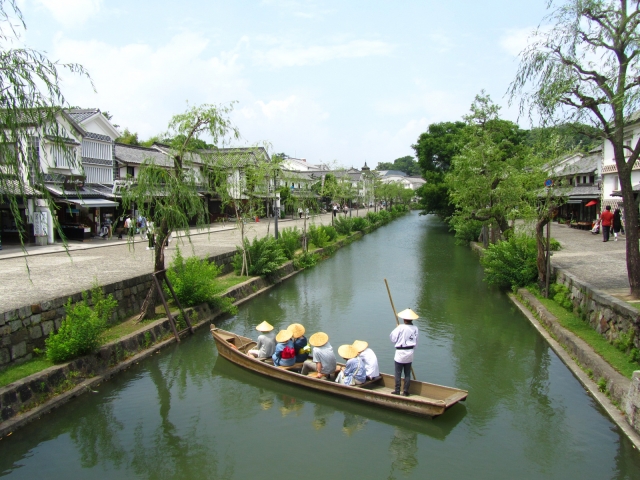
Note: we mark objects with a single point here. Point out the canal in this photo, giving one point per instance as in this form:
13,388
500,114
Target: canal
187,414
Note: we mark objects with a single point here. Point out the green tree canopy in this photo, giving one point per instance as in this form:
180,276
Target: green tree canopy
406,164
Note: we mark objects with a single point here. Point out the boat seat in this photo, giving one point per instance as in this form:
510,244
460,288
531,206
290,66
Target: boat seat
369,382
295,366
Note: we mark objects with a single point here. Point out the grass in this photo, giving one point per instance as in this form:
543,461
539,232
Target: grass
614,357
231,280
17,372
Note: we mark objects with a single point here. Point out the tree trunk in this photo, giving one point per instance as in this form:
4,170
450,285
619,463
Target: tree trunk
541,259
631,229
148,309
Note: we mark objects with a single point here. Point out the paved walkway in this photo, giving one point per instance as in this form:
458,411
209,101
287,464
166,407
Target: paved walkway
586,256
49,271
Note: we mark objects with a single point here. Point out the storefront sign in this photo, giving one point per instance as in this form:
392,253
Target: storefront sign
73,182
40,224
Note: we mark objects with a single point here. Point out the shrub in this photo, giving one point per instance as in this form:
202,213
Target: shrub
264,256
511,263
360,223
373,217
331,232
80,331
318,236
560,294
554,245
305,260
289,240
343,225
193,279
385,216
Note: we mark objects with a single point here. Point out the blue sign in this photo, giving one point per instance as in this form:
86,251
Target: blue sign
548,183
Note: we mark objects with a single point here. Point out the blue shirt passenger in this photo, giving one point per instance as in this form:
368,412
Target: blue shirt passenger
279,360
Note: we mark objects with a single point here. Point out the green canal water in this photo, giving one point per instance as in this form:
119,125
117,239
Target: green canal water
187,414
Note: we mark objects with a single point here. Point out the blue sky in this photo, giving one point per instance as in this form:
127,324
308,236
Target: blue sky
344,81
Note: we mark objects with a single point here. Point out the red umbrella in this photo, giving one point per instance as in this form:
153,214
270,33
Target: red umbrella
591,203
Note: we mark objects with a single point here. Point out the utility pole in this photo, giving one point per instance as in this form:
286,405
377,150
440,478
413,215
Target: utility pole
277,213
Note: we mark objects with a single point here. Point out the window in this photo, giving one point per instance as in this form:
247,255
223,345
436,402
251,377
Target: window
130,172
616,183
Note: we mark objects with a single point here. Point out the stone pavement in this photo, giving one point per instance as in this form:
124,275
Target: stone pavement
587,257
49,271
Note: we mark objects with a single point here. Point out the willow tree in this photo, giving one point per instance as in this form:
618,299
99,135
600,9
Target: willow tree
169,194
31,108
585,69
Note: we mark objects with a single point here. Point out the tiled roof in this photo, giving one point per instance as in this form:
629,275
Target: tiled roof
15,188
85,192
79,115
583,166
130,154
586,191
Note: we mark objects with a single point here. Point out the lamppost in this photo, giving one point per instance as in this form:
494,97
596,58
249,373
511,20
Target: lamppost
277,202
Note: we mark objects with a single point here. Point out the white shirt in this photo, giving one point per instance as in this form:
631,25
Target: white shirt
404,336
370,363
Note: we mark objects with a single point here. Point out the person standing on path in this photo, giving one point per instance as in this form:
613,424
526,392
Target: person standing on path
151,235
617,223
335,209
128,226
405,339
606,219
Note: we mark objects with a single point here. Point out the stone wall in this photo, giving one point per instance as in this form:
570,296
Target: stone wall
632,402
25,328
606,314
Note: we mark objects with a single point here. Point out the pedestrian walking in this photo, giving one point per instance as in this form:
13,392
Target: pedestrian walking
606,219
151,235
142,227
405,339
300,212
129,228
617,223
335,209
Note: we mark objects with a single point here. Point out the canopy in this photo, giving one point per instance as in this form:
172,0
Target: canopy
92,202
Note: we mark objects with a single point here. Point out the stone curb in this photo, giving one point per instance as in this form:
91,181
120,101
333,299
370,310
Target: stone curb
617,384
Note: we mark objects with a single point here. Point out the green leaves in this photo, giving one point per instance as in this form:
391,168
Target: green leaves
511,264
194,279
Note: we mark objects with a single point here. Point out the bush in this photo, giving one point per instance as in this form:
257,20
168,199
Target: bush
360,223
193,280
554,245
560,294
264,256
385,216
318,236
80,331
331,232
512,263
343,225
373,217
289,240
305,260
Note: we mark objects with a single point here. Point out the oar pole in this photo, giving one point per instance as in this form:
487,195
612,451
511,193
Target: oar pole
413,374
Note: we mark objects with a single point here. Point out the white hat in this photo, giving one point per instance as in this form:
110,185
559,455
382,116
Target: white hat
408,314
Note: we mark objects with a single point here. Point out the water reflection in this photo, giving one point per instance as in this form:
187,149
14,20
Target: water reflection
403,450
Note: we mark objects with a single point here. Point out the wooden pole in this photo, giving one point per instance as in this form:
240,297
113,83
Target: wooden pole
413,374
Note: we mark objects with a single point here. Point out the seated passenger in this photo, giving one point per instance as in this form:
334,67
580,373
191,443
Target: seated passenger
324,361
266,342
299,342
353,372
285,355
370,360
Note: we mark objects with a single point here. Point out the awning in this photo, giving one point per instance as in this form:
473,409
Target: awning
92,202
574,200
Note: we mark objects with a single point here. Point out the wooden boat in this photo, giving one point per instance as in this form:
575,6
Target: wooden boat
425,400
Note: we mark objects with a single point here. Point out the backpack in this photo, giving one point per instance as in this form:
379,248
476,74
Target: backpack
288,352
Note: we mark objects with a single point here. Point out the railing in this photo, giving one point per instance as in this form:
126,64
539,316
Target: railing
93,149
98,174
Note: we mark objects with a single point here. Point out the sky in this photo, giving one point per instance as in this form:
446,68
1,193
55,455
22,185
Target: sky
344,82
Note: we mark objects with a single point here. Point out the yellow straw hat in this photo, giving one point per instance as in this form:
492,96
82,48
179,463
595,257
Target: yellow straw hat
283,336
360,345
264,327
318,339
347,351
408,314
296,329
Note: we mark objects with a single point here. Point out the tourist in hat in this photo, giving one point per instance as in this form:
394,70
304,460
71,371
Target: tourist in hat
369,358
285,355
405,339
266,345
353,373
323,361
299,342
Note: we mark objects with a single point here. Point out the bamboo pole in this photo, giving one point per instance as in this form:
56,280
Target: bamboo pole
413,374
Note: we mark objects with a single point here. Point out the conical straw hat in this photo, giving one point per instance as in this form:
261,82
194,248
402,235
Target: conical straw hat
264,327
360,345
318,339
347,351
296,329
283,336
408,314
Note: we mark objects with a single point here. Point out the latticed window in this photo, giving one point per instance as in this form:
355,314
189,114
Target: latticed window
98,174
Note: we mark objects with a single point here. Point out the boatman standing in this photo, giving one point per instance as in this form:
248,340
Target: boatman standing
405,339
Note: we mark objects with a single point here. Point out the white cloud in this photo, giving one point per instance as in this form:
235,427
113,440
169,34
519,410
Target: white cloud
71,12
144,86
287,56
